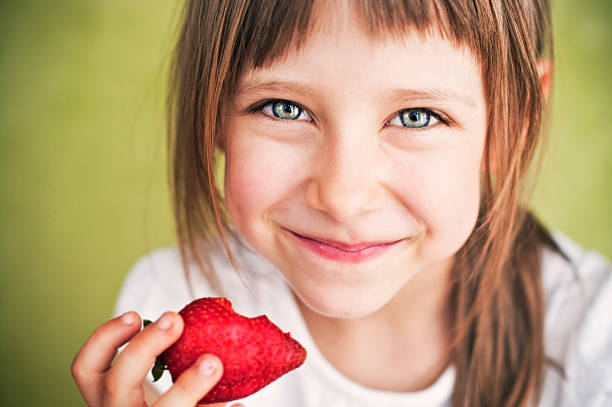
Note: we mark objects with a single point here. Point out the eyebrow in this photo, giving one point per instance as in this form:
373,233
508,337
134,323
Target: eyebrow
395,95
432,95
255,85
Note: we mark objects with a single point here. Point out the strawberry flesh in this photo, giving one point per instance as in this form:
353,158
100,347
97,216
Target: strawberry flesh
254,351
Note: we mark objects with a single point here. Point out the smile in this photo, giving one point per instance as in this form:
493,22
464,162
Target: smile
342,252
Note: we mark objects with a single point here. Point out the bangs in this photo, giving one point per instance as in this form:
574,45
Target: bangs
270,29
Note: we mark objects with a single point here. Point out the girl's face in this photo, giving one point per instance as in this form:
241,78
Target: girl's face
354,164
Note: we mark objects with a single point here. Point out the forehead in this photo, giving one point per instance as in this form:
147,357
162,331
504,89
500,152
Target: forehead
340,52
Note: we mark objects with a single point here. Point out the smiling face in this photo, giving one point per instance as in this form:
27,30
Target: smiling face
354,164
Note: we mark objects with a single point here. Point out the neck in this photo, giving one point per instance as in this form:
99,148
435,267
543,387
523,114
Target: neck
403,346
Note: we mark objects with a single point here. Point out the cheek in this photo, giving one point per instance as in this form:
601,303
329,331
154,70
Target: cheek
445,195
256,178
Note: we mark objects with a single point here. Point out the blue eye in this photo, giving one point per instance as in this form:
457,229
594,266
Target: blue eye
284,110
416,118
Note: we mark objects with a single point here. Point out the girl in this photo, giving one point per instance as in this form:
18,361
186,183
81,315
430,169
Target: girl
372,205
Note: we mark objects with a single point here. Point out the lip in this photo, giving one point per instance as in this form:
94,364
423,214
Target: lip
343,252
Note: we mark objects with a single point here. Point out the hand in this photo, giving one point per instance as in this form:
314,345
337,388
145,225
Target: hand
106,384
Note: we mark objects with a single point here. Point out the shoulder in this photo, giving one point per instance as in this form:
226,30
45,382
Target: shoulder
159,281
153,284
578,325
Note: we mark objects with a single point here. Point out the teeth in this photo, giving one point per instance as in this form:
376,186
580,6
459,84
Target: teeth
343,247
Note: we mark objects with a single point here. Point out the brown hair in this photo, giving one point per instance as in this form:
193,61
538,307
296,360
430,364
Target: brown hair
496,296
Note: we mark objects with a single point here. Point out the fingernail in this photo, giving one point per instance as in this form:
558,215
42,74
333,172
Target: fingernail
207,367
164,322
128,318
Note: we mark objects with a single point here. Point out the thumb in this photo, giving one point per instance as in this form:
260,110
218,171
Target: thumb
194,383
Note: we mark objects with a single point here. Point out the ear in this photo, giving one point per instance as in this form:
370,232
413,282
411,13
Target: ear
545,73
545,76
220,143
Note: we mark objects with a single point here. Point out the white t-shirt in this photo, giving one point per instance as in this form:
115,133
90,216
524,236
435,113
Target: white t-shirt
578,329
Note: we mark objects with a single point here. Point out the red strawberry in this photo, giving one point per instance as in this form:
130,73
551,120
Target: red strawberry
254,351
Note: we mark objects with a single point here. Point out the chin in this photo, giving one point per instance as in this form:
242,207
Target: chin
352,304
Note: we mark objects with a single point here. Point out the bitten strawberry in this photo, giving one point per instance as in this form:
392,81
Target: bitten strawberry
254,351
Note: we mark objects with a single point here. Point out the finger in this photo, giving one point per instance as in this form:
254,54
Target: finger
193,383
95,356
123,384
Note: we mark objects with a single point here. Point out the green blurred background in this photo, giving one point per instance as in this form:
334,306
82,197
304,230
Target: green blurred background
82,166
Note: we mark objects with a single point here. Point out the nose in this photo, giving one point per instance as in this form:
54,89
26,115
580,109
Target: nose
348,180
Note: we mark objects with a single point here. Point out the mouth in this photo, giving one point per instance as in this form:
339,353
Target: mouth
343,252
